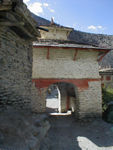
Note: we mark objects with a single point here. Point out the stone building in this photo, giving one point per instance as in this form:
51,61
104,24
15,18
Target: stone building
106,77
72,67
20,128
17,31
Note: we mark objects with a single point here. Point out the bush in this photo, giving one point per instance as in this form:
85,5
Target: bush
107,104
107,97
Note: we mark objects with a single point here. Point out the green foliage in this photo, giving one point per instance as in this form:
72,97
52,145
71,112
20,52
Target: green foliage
107,96
107,105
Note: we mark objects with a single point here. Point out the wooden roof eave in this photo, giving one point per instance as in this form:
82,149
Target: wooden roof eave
19,20
77,48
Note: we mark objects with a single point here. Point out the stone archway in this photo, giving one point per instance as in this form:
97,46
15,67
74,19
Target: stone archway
67,97
88,95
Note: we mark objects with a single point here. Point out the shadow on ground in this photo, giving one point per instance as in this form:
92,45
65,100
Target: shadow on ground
66,133
51,110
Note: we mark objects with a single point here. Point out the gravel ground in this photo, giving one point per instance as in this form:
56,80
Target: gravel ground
66,133
52,105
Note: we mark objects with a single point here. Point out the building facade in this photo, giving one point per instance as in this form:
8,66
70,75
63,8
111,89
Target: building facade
106,77
72,67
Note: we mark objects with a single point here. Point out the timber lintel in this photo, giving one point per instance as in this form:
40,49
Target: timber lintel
75,55
48,53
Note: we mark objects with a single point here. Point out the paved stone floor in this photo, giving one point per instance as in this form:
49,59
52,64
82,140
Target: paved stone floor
68,134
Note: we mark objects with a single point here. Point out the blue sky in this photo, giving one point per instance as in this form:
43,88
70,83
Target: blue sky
94,16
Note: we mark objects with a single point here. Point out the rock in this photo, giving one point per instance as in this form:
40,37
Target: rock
18,130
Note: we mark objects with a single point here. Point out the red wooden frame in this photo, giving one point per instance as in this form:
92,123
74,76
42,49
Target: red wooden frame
68,48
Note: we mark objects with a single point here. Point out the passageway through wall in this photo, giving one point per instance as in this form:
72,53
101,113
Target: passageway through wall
61,98
53,99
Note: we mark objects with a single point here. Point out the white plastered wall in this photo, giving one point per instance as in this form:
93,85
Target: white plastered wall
90,100
61,64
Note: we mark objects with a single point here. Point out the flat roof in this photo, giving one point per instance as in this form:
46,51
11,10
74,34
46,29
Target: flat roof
66,45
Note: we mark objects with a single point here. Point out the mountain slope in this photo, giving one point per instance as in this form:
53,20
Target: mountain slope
40,20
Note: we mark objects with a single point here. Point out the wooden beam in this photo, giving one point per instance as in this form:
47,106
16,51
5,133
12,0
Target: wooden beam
19,15
68,48
75,55
18,27
101,57
22,32
7,23
48,53
5,8
26,16
8,17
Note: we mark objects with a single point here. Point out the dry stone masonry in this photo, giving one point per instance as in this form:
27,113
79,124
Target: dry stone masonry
17,31
20,128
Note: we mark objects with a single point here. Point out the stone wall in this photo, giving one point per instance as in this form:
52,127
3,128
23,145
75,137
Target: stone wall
15,74
16,26
83,73
20,128
38,102
90,101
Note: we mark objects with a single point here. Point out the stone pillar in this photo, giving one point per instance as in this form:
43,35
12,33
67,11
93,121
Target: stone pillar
73,104
43,92
90,101
63,99
38,99
68,94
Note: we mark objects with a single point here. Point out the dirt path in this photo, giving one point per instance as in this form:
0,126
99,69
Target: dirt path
68,134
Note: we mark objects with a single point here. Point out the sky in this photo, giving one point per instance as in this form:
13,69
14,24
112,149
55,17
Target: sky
94,16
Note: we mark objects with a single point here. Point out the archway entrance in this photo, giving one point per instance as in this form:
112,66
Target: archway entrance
53,99
61,97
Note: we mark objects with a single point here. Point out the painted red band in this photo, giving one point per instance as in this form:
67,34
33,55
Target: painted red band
80,83
102,85
108,78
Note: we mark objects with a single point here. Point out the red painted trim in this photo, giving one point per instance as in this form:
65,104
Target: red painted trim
48,53
102,85
68,102
80,83
101,57
68,48
76,51
108,78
